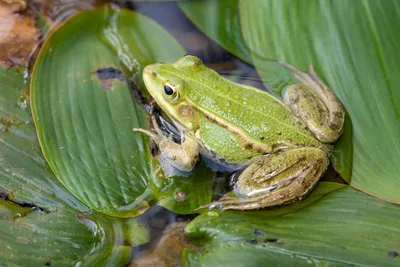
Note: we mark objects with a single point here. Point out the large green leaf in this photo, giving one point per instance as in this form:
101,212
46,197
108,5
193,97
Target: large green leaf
139,41
29,234
41,223
65,238
220,21
352,45
24,174
85,113
342,227
40,239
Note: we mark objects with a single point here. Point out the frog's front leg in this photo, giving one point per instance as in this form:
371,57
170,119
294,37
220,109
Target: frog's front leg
276,179
314,103
183,156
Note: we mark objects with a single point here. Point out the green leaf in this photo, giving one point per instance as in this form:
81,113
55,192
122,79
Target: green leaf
335,225
139,41
114,239
24,174
352,46
39,239
184,194
28,234
40,221
220,21
84,111
65,238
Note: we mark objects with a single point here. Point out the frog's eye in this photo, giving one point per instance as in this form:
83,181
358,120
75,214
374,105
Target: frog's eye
171,91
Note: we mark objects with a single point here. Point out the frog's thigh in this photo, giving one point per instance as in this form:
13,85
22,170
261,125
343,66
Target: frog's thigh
277,179
314,103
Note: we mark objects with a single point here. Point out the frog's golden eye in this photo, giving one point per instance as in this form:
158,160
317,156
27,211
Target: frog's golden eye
171,91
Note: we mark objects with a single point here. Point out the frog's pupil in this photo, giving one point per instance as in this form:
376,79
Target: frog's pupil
168,90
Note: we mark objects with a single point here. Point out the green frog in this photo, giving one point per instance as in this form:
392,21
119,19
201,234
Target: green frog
282,146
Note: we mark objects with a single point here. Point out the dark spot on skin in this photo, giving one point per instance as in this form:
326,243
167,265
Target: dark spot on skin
154,74
258,233
185,112
107,75
259,150
393,254
248,146
122,203
252,241
334,126
47,263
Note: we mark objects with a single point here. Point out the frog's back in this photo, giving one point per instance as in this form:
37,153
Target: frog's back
259,116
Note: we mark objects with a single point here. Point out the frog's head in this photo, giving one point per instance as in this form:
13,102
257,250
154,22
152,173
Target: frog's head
167,84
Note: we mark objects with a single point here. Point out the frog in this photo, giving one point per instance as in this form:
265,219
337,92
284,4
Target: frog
279,147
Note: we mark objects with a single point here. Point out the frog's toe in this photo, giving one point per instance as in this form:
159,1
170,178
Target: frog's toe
221,204
229,202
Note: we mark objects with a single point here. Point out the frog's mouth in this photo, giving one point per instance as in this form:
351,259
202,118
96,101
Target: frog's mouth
154,85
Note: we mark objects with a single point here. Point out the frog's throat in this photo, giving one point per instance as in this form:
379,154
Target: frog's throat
248,142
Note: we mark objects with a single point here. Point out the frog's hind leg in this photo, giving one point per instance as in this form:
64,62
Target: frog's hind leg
314,103
276,179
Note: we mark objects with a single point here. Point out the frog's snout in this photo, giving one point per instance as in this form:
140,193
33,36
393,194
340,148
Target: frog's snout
148,71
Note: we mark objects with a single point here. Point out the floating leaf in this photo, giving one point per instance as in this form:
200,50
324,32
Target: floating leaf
351,45
41,223
220,20
85,113
335,225
24,174
40,239
188,193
